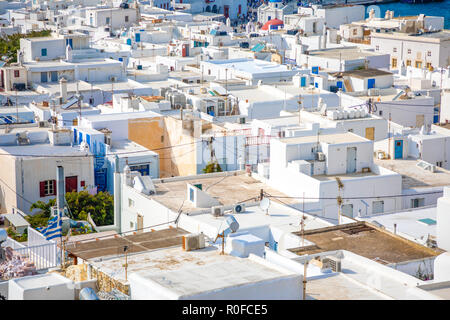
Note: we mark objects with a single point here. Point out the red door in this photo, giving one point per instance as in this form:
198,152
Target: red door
226,11
72,184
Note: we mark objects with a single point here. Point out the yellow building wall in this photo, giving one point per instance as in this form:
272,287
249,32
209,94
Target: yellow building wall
162,134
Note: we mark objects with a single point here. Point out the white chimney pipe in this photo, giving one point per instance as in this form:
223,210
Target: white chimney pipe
63,89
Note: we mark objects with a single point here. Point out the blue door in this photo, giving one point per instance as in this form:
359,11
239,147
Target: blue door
370,83
315,70
436,115
398,149
339,84
54,76
43,76
138,37
303,82
129,41
100,179
74,136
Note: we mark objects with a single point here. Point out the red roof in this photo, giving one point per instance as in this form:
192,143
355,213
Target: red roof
273,22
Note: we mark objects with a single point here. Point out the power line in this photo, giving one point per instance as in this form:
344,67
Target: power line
92,155
354,198
4,183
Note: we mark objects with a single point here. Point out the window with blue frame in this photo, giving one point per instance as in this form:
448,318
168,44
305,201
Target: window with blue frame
143,169
44,52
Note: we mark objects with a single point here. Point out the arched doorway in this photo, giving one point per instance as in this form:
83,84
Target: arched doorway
214,9
208,9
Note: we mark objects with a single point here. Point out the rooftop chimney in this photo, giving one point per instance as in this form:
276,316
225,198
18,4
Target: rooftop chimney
60,188
63,89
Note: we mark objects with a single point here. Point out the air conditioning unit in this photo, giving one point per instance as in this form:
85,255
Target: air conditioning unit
193,242
320,156
217,211
332,262
239,208
42,124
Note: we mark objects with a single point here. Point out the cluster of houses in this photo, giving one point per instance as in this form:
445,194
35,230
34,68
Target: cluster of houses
247,150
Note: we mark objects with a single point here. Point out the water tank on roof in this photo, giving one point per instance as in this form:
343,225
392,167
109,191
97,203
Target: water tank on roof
351,114
344,114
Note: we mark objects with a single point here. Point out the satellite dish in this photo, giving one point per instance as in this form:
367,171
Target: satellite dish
264,204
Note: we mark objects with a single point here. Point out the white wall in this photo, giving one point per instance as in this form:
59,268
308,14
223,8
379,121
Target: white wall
443,220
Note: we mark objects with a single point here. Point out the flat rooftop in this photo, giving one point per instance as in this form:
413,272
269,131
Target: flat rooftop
227,189
252,66
124,146
72,86
440,289
439,36
364,240
346,53
191,272
346,137
416,223
113,246
37,150
364,73
343,288
121,116
324,177
413,176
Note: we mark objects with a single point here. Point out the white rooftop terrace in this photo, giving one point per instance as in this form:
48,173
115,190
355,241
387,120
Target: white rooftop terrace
251,66
344,53
127,146
414,224
335,138
37,150
173,273
415,177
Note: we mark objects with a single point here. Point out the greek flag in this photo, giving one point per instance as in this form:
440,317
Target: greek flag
53,229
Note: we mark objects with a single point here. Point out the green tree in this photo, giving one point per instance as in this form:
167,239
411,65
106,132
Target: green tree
212,167
101,207
45,207
10,44
40,219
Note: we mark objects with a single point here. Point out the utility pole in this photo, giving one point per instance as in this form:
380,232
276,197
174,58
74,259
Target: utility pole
305,267
389,135
17,109
226,91
339,198
300,107
125,249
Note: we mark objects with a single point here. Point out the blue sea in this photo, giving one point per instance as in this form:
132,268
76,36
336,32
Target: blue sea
405,9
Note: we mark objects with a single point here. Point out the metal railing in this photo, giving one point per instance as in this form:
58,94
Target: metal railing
43,256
